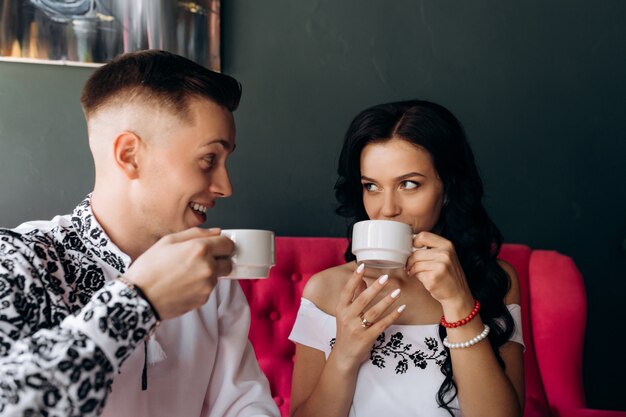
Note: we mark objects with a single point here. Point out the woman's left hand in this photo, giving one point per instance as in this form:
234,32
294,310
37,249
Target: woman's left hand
435,263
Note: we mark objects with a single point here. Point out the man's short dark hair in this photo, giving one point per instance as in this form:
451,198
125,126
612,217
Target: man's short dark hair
160,78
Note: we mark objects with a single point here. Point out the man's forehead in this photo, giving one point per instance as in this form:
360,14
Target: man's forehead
216,122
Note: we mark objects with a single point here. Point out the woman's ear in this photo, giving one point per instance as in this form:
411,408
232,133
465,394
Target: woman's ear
125,152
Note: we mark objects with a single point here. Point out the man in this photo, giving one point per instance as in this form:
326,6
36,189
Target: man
82,295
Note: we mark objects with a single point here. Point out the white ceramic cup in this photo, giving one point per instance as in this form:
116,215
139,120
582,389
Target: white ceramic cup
382,244
254,253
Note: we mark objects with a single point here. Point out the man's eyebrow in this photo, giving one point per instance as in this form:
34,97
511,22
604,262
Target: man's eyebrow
226,144
400,178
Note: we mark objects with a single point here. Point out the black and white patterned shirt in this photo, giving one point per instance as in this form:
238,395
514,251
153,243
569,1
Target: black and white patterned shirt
67,327
55,304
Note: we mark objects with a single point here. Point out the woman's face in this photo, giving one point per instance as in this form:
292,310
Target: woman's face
400,183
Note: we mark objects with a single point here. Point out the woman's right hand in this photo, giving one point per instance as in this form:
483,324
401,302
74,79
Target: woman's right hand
358,326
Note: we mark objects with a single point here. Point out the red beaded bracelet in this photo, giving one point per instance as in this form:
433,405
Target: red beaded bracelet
461,322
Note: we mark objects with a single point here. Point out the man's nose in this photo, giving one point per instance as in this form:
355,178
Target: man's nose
220,184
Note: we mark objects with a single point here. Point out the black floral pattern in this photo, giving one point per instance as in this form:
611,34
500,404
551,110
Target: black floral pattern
396,349
53,278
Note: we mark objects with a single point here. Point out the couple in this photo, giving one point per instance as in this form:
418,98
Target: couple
115,309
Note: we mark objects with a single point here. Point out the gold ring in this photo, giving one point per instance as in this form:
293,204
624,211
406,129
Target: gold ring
364,321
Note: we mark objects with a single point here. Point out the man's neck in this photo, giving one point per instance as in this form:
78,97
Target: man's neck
118,224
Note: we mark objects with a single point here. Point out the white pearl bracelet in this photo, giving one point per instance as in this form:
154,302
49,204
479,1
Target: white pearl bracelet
469,343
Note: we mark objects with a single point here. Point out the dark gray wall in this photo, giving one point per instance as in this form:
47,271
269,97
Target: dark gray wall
45,165
538,85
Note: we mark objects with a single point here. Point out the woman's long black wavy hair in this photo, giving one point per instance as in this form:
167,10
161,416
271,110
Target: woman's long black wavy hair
463,219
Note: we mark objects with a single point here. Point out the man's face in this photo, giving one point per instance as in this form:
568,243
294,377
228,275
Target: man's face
183,172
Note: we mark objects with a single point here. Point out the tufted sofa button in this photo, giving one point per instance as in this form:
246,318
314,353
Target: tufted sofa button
274,315
295,277
279,401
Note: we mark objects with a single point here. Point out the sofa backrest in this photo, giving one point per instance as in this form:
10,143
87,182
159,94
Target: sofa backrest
535,399
274,303
558,318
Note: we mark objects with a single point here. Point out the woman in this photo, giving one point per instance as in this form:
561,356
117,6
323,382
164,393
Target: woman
372,345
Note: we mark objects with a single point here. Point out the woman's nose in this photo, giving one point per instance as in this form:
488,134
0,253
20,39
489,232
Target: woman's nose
390,207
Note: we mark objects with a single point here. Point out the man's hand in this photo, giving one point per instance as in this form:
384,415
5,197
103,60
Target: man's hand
179,272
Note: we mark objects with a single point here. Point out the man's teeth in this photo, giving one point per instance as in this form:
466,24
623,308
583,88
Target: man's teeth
199,207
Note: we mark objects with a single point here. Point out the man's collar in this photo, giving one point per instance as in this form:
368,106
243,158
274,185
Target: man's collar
95,238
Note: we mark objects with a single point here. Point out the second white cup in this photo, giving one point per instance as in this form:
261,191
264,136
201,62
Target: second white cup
254,253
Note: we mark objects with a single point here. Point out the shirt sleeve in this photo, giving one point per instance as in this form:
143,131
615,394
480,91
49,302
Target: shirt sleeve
67,369
238,387
309,327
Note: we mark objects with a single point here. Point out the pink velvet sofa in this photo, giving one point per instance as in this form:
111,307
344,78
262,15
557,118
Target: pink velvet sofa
553,320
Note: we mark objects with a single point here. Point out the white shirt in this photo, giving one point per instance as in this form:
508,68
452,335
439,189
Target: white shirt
72,338
210,369
403,373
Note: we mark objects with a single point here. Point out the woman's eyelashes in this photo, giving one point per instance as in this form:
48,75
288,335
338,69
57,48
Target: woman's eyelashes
403,185
409,185
370,186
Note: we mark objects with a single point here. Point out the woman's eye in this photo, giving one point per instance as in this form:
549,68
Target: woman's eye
409,185
370,186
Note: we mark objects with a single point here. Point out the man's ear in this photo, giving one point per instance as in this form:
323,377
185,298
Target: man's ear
126,149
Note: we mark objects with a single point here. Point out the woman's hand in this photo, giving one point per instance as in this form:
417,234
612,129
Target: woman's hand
437,266
359,326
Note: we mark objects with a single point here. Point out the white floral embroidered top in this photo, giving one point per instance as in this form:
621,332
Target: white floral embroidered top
403,374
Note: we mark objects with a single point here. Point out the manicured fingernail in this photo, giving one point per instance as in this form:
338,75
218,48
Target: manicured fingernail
360,268
395,293
401,308
215,229
383,279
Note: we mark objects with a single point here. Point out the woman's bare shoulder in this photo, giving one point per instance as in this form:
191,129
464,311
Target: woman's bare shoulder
513,296
323,288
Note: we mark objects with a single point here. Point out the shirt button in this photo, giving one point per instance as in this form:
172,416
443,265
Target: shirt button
274,315
279,401
296,277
